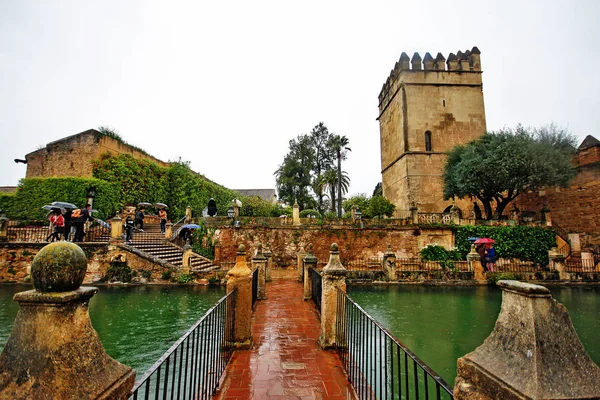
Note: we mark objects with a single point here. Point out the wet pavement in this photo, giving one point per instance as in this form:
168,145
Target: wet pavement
285,361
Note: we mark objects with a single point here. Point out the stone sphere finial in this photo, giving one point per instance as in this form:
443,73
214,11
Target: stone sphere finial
58,267
310,248
334,247
241,250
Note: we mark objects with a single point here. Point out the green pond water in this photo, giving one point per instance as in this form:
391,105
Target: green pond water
137,324
441,324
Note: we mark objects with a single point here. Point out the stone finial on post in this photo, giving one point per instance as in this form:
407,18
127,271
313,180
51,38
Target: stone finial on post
186,262
53,352
414,214
296,213
532,353
240,278
217,260
268,255
310,261
300,265
474,260
334,279
188,214
557,263
260,261
389,264
116,228
169,231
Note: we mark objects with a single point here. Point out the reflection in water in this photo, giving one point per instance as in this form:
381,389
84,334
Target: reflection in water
441,324
136,324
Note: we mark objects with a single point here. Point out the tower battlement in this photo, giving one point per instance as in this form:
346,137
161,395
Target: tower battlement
468,61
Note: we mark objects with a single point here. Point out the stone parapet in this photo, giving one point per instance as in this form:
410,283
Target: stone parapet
532,353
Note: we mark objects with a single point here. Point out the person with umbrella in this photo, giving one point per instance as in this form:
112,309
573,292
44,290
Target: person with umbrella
85,216
162,214
139,219
487,253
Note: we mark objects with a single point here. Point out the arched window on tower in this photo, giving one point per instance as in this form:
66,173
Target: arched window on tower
428,141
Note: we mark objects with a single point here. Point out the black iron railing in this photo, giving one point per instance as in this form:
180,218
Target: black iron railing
191,368
317,287
377,364
23,231
254,286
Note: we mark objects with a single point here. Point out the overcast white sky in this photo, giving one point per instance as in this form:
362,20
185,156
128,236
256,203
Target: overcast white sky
226,84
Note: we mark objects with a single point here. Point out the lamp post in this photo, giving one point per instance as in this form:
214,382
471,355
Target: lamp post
91,193
231,214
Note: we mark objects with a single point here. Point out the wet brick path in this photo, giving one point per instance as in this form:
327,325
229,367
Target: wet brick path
286,361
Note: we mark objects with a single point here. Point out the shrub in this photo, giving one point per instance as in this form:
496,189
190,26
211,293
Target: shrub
310,213
146,273
434,252
185,278
119,271
494,277
522,242
167,275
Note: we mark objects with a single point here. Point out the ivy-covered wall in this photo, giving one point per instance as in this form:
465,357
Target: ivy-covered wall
522,242
33,193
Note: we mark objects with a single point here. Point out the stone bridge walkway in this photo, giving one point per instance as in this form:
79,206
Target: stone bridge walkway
286,361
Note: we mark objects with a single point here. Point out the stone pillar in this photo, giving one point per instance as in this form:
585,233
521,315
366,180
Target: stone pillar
549,218
169,231
217,260
334,278
474,260
557,263
532,353
310,261
414,215
574,242
259,261
240,278
3,228
186,262
300,265
389,264
268,255
188,214
53,352
116,228
296,213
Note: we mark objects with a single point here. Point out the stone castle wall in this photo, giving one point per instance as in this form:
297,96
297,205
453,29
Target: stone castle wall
442,99
577,207
73,155
354,243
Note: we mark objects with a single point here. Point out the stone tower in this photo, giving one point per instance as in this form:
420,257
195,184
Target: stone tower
426,107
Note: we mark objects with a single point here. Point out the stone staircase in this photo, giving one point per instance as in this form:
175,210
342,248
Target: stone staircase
152,243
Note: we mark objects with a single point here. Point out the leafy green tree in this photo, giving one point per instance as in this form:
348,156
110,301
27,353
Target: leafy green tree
499,166
323,158
380,207
339,144
293,177
371,207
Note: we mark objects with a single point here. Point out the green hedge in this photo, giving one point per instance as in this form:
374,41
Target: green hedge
177,186
522,242
33,193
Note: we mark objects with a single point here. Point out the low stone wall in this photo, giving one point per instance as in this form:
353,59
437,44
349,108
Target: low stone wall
286,242
16,258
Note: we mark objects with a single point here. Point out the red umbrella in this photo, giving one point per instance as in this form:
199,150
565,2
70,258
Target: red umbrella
484,241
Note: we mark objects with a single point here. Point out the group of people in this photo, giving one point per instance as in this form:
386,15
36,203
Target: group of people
70,224
487,253
137,223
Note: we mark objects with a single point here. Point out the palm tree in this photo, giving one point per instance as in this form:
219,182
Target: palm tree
339,144
329,180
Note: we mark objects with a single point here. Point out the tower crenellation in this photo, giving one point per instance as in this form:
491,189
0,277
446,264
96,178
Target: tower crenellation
467,61
426,107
